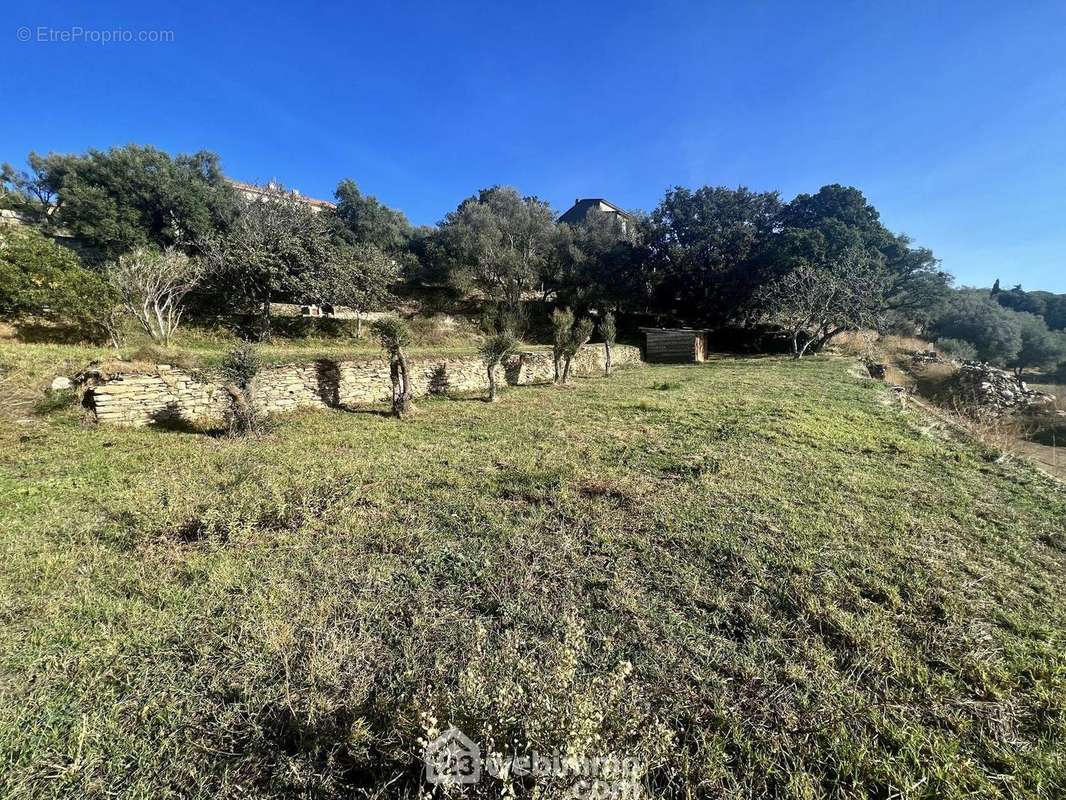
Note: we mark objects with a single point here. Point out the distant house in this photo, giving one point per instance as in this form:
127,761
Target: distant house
675,345
581,208
273,190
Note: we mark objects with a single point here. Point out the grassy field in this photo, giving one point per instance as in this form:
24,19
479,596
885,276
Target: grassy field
758,577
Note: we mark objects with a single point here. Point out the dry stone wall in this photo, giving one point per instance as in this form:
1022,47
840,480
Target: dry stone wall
169,394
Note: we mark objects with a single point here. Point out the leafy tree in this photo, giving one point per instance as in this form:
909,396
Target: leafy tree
599,263
493,351
270,252
994,332
239,372
704,249
1056,312
1017,299
367,221
358,276
837,223
609,331
41,280
126,197
498,243
395,336
569,341
562,322
153,285
1040,348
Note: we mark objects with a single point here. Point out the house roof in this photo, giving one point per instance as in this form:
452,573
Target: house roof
270,189
581,207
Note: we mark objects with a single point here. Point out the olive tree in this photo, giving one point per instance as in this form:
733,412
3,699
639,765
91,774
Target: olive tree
358,276
153,285
239,372
395,336
493,351
562,321
609,331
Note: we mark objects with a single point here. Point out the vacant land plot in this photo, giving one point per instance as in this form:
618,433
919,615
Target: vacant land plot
756,577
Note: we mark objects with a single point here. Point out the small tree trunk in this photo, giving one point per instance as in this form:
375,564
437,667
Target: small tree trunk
492,383
264,322
795,344
358,324
401,386
607,359
556,359
566,368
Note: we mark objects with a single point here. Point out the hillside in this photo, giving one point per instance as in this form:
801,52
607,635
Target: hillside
757,577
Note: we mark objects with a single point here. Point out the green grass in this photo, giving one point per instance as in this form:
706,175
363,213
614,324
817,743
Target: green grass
756,576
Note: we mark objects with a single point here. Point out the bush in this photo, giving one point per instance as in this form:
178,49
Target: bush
41,280
958,349
239,371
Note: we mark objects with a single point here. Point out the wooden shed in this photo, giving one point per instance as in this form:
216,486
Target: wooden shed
675,345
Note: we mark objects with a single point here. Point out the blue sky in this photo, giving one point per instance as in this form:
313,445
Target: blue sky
950,117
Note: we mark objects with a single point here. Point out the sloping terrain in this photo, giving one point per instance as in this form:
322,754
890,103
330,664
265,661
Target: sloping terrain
757,577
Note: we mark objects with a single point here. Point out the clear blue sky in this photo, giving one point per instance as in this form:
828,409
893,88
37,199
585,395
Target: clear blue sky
950,117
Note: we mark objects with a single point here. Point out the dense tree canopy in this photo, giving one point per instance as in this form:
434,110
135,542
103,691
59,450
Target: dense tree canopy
705,250
115,200
498,243
43,281
270,253
368,221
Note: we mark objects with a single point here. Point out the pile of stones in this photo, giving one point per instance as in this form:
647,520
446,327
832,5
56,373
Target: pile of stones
997,391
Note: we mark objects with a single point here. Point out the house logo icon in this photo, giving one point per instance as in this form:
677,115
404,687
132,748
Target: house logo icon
452,759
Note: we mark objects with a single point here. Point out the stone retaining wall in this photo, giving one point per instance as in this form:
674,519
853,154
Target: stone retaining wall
169,394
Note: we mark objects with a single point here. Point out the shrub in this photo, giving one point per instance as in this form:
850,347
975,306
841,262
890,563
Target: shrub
41,280
239,371
394,336
958,349
494,350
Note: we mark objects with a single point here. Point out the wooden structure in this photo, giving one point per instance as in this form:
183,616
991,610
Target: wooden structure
675,345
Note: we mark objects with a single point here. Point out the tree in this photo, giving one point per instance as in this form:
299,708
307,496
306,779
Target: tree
270,252
358,276
239,372
126,197
367,221
42,280
816,302
497,242
704,248
493,351
1040,348
973,317
610,333
568,338
1017,299
562,322
395,336
599,263
153,285
835,225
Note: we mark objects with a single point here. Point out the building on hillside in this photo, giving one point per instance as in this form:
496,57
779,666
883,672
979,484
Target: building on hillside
675,345
580,210
273,190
